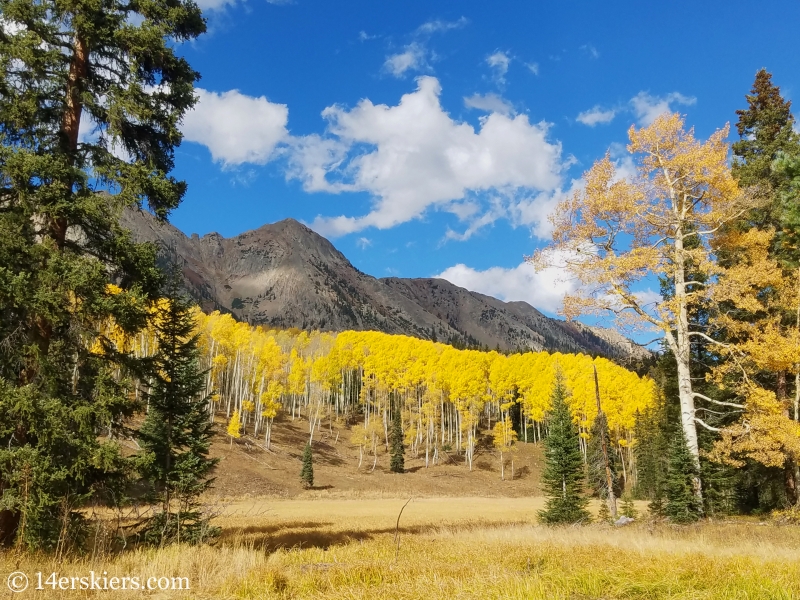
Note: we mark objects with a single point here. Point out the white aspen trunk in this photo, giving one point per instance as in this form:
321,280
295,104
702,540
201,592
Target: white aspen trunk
680,346
502,467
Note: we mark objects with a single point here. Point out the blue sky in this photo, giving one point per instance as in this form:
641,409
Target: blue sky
432,138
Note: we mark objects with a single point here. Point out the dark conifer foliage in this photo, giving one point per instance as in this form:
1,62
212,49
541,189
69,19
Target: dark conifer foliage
176,434
63,386
765,128
563,478
307,472
682,505
596,461
397,460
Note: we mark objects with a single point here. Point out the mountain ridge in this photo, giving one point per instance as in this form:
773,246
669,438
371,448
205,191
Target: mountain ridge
285,275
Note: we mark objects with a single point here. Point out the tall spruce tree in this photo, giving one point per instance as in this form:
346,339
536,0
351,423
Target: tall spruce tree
682,506
307,471
763,158
176,434
397,460
766,129
596,460
563,478
652,430
91,94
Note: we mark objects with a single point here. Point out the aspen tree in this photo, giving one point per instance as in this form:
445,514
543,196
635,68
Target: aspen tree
616,231
234,427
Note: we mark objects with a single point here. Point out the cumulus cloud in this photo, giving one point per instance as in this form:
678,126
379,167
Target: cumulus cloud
499,62
646,107
643,106
412,58
490,103
596,115
414,156
544,290
236,128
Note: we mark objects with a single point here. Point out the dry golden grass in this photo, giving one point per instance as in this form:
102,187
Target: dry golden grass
453,548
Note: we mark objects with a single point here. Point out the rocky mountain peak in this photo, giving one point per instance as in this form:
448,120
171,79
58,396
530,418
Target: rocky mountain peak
286,275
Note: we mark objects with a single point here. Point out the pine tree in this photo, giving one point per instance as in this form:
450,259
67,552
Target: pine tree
63,386
176,434
563,478
765,128
596,459
652,429
628,507
307,472
397,460
682,505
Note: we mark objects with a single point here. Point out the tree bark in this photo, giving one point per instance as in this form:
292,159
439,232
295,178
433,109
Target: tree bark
680,345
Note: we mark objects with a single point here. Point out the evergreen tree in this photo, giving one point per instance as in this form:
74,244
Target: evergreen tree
176,434
682,506
628,507
397,460
766,129
307,472
653,429
563,478
596,459
111,66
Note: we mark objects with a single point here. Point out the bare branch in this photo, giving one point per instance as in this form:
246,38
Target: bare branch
706,425
705,337
717,402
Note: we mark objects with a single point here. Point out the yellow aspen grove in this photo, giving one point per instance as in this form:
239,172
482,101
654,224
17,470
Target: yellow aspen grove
618,230
448,398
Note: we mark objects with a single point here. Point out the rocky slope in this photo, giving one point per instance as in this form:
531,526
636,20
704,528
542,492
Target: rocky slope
285,275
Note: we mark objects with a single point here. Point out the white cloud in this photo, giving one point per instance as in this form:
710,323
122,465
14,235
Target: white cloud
220,4
648,298
437,25
214,4
499,62
590,50
490,103
363,36
10,27
414,156
236,128
533,67
544,290
596,115
411,59
647,107
363,243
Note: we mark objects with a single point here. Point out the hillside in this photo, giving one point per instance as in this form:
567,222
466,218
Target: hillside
285,275
247,469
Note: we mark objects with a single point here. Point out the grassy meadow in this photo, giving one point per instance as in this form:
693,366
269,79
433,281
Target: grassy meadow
339,547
